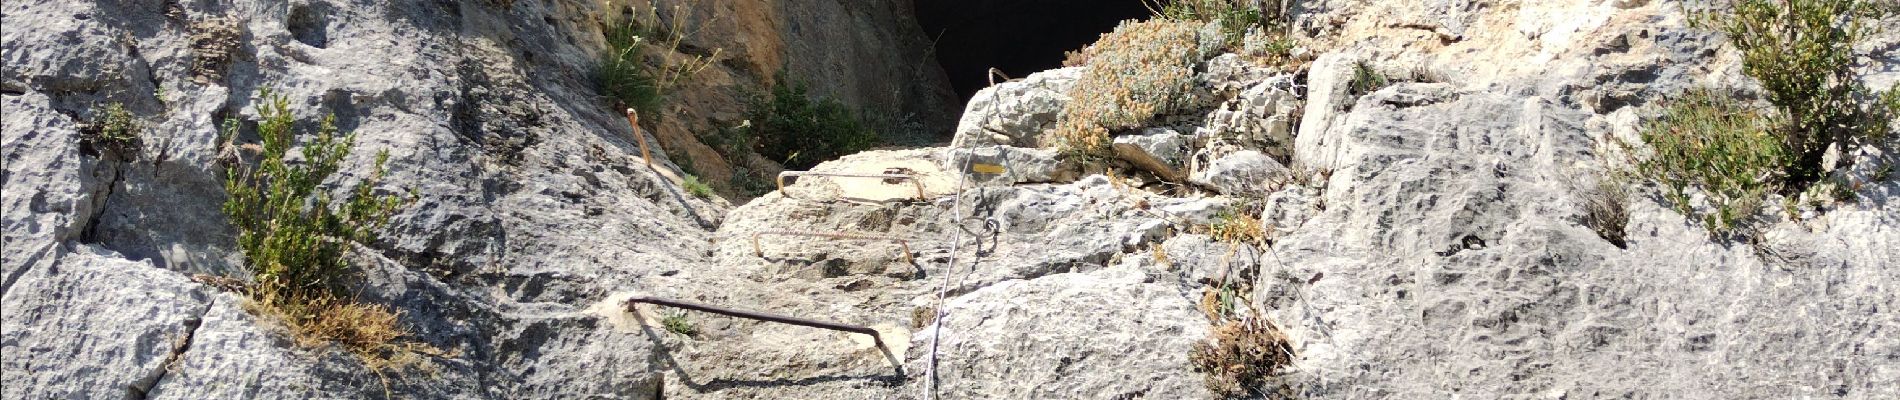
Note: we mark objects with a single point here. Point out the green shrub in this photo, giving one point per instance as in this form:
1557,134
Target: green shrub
295,236
678,324
1141,70
793,129
1709,141
114,129
1366,80
697,188
1802,53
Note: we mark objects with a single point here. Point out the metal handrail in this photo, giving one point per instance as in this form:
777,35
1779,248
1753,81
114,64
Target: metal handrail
760,251
755,315
912,178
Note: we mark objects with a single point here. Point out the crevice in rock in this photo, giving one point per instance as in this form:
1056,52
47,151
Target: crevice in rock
308,23
141,389
102,201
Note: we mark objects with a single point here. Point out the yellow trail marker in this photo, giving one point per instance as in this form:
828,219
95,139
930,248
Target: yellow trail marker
987,168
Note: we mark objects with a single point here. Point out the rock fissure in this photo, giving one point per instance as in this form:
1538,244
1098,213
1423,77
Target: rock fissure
141,389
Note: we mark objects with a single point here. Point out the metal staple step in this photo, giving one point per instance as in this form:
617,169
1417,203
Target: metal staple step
912,178
755,315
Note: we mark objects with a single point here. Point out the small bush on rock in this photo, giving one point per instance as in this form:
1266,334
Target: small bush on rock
113,129
295,236
793,129
1708,141
1141,70
1236,17
1802,52
1236,227
696,188
624,74
1366,80
678,324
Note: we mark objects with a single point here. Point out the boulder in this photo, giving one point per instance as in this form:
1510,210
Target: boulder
1016,113
1245,173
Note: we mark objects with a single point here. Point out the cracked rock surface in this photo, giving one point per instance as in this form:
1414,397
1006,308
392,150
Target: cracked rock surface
1420,240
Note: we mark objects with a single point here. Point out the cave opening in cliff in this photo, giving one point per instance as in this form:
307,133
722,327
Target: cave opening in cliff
1017,37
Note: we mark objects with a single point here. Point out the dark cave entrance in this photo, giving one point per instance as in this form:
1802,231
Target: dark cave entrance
1019,37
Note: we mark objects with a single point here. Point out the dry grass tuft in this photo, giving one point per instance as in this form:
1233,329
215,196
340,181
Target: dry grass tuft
214,44
1237,227
1241,357
1606,210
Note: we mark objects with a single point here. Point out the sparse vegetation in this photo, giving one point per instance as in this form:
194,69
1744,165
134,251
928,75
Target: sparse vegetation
1251,28
1709,142
1606,210
295,237
626,72
790,127
1269,48
1241,356
1802,53
1141,70
113,129
1717,158
1236,17
1243,350
1366,80
1236,227
678,324
696,188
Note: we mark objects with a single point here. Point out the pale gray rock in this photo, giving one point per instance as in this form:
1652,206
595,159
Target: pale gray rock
1430,248
1115,333
1016,113
1259,117
89,324
1243,173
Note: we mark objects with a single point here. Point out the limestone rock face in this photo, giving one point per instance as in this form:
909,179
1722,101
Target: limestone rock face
531,203
1420,239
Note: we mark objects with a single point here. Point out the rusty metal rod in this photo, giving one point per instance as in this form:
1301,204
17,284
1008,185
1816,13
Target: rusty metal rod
633,118
760,251
912,178
755,315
